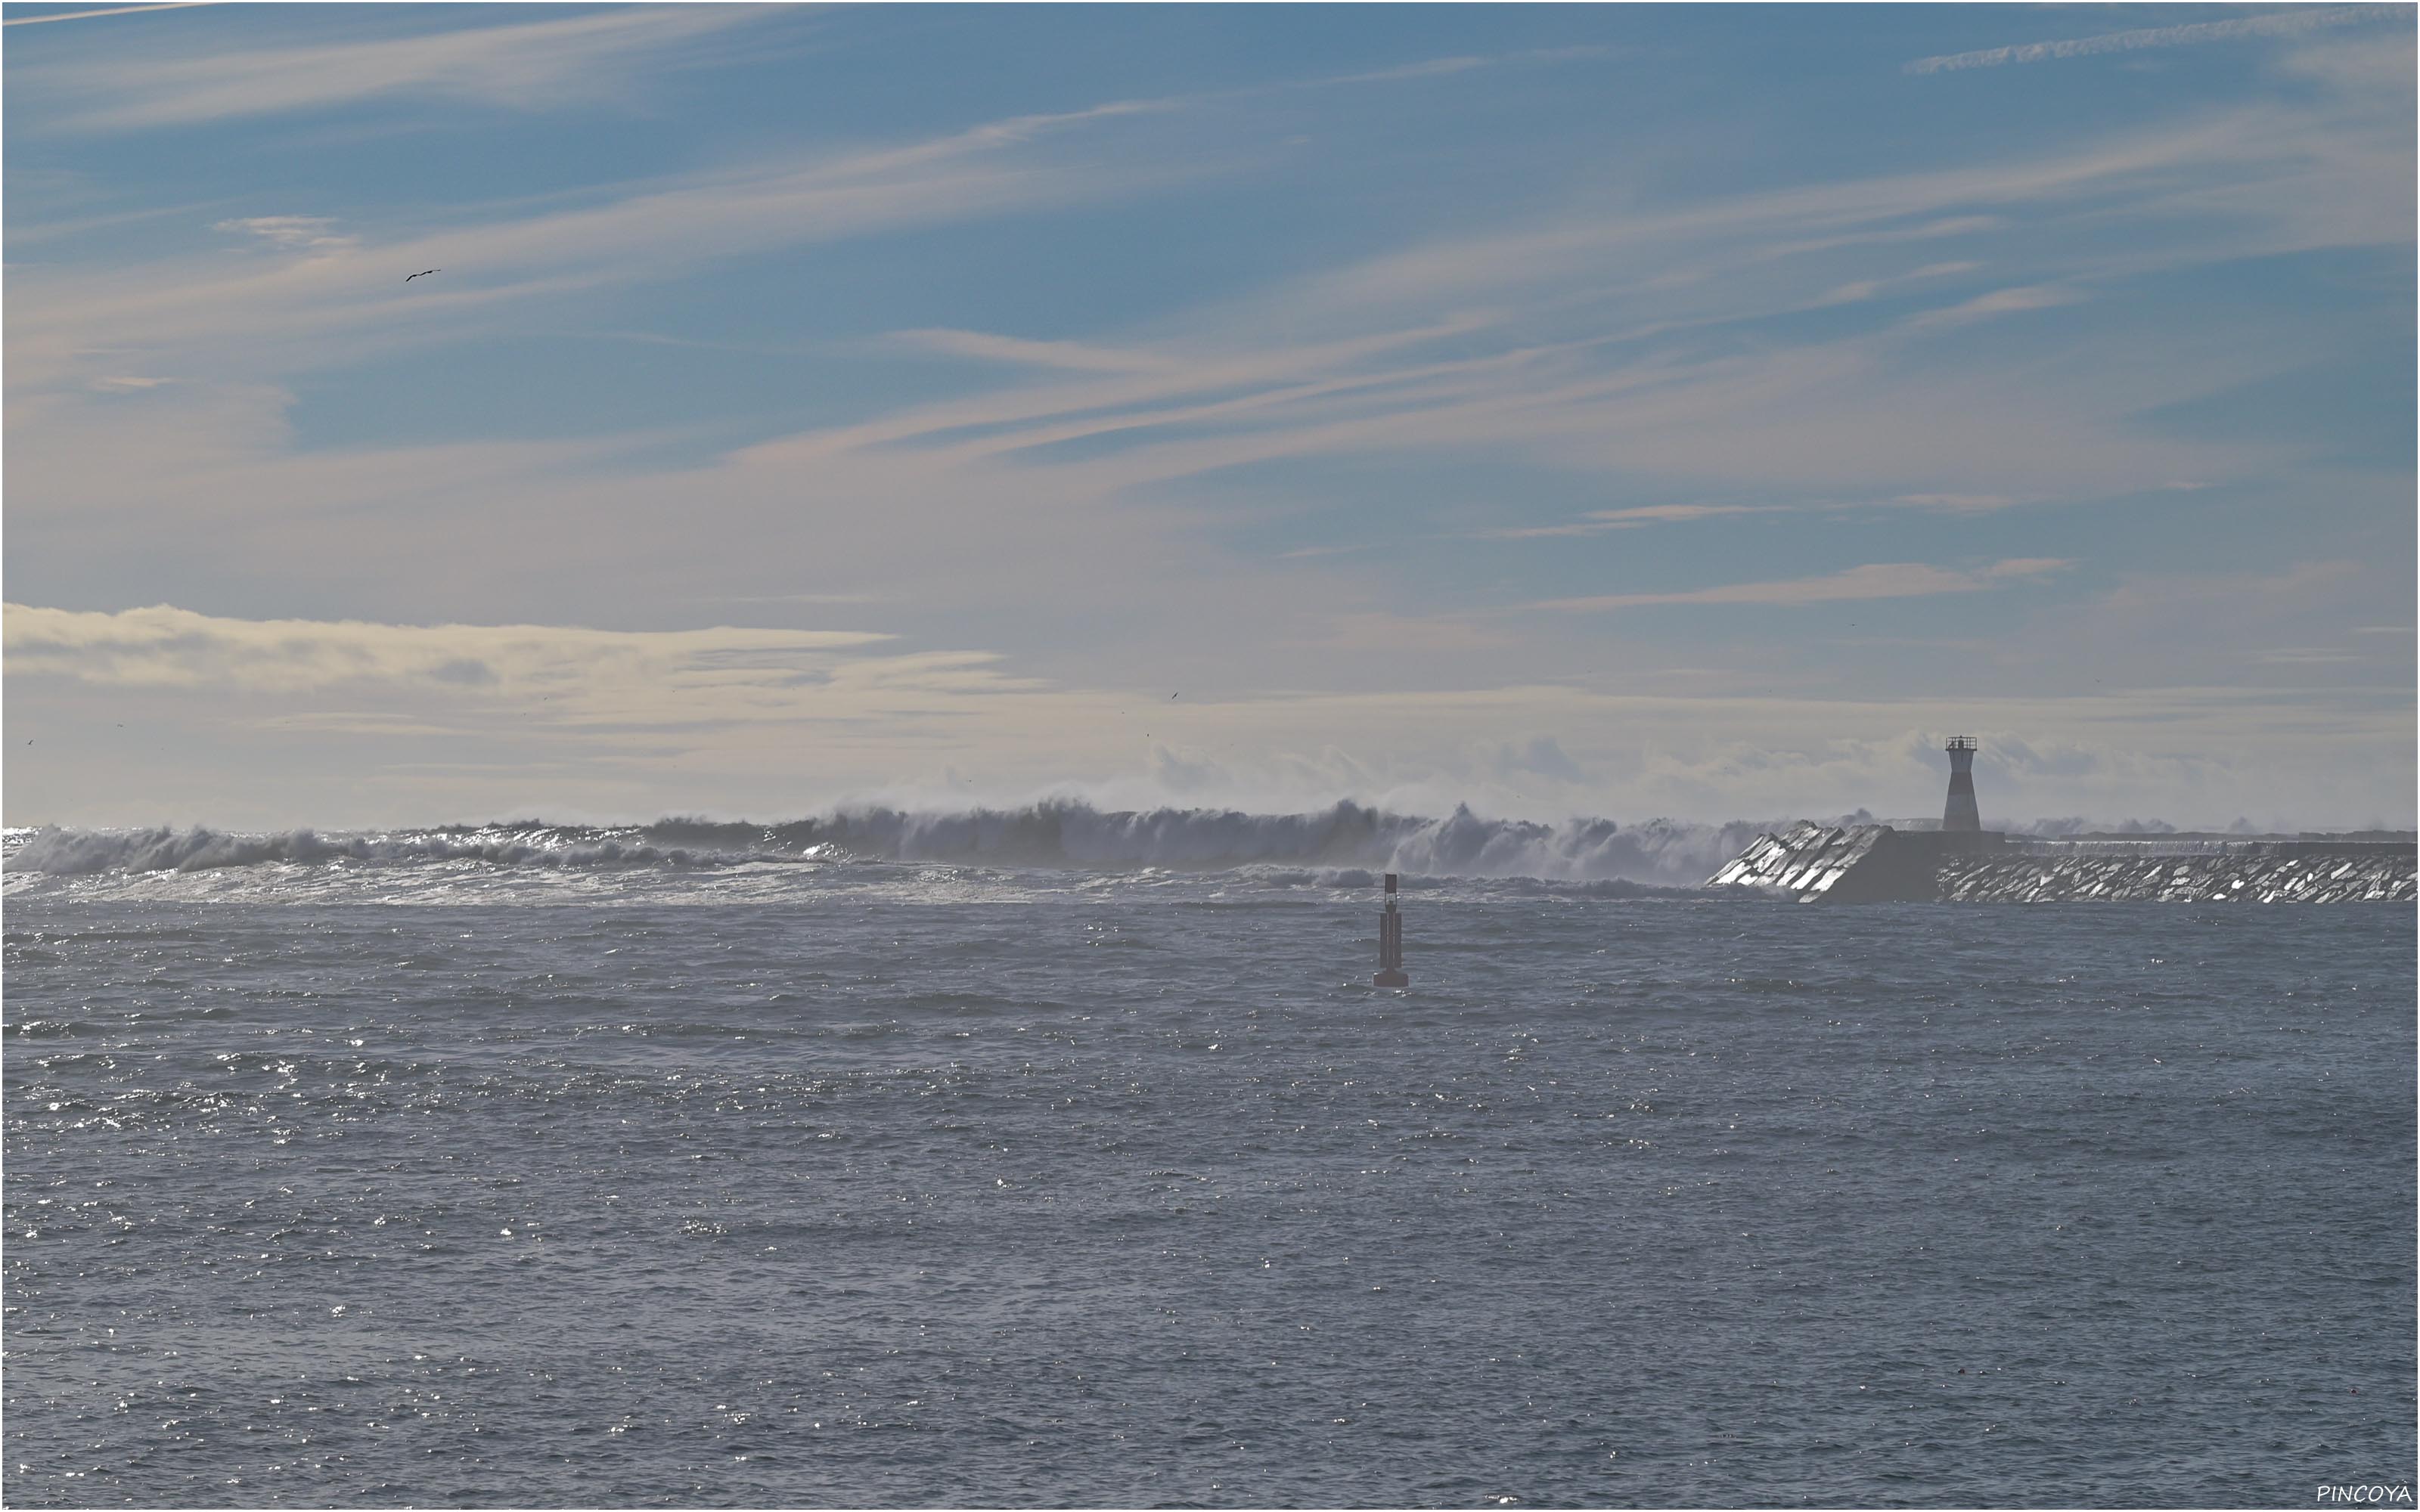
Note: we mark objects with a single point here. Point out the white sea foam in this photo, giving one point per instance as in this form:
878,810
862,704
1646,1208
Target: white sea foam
1060,835
84,851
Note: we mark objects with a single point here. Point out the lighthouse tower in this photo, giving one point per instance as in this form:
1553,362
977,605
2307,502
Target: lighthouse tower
1959,816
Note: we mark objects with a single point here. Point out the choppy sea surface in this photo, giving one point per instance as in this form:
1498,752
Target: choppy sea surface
347,1177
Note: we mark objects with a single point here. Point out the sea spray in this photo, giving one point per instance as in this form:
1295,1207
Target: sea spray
1058,834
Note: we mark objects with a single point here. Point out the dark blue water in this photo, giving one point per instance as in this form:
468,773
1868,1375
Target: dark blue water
962,1189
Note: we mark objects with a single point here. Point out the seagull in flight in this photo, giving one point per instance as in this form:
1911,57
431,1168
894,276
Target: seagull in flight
423,273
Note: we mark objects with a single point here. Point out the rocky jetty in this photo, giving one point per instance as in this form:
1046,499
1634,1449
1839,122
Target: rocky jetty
1876,863
2287,872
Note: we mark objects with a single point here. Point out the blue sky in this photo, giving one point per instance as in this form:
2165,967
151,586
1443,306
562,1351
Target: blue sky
1693,411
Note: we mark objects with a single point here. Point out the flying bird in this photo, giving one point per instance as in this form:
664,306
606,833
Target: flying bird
423,273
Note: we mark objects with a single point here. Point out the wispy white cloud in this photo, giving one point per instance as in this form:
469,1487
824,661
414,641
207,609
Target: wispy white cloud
1706,245
290,313
1878,579
1597,522
1837,411
1066,355
1997,303
163,647
292,233
110,10
1304,553
1959,503
2026,566
1859,290
979,492
527,66
1654,514
2276,23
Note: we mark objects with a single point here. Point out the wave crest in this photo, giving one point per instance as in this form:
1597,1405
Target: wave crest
87,852
1069,833
1064,834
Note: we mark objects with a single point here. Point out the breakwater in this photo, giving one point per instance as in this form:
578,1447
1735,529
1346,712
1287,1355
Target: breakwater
2280,872
1877,863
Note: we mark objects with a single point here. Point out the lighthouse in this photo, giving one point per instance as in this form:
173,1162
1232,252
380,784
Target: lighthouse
1390,943
1959,816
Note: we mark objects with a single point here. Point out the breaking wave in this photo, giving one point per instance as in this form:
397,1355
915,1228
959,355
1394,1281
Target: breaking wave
1072,834
1059,835
84,852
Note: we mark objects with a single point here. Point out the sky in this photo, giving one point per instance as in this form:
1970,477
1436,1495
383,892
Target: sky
1690,411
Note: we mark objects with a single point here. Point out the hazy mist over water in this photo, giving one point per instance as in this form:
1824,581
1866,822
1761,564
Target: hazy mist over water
361,1177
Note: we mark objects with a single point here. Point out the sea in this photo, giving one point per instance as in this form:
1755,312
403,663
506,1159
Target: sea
1060,1159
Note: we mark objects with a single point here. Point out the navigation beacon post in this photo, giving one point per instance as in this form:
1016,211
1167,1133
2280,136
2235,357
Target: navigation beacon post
1390,944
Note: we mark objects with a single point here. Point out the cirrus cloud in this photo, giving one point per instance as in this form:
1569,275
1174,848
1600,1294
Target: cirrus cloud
2277,23
1875,579
164,646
